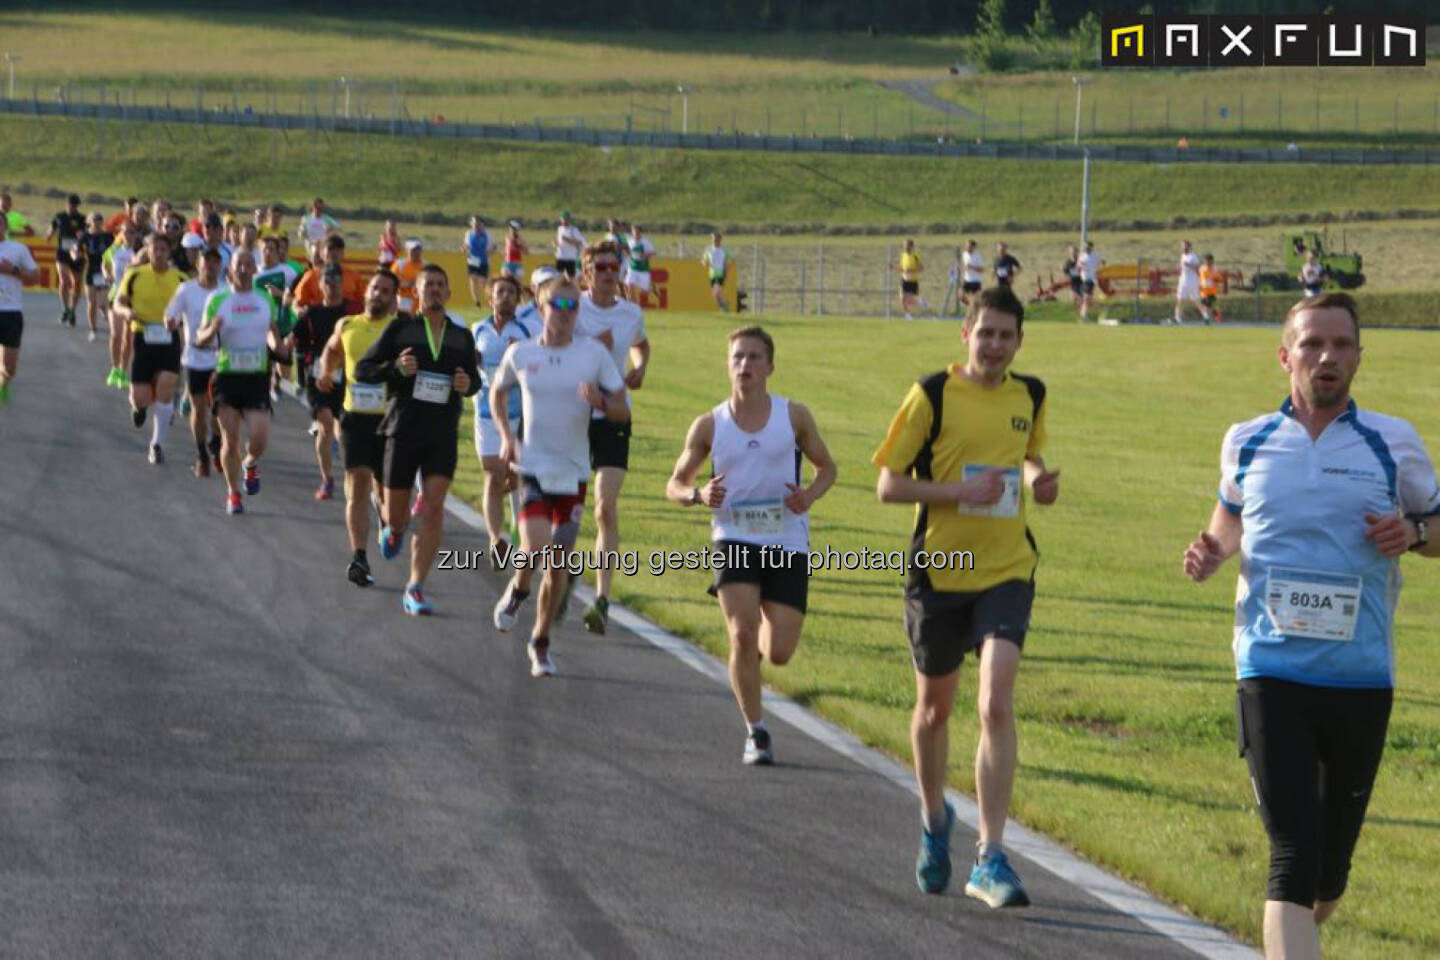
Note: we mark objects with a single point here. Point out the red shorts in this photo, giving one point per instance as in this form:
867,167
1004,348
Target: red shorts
559,508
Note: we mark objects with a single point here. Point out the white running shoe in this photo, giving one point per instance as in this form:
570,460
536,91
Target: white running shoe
507,608
540,663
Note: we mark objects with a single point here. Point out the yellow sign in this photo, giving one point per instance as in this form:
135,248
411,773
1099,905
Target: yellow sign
1123,37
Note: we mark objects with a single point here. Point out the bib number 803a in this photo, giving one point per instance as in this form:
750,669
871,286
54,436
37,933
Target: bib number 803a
1313,601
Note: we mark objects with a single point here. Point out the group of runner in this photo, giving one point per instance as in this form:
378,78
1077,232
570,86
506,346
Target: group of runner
1319,499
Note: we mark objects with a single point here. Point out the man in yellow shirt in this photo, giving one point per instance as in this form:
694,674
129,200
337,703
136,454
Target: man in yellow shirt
963,447
145,292
910,268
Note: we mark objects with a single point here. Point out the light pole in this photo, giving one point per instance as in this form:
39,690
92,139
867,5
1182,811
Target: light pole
1079,94
12,59
684,108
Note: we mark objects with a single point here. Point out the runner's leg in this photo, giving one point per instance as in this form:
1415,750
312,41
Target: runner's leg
995,755
740,604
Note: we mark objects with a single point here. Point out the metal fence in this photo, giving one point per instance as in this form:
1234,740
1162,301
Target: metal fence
371,111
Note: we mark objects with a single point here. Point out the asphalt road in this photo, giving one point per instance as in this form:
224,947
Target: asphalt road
213,745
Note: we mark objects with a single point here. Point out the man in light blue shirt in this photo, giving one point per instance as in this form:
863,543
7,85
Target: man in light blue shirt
1320,499
493,337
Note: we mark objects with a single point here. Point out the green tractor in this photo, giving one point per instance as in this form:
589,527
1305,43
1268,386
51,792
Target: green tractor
1342,269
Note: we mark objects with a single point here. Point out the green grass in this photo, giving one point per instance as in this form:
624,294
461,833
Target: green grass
1125,700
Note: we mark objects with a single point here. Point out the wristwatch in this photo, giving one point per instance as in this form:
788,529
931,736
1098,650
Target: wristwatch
695,498
1422,532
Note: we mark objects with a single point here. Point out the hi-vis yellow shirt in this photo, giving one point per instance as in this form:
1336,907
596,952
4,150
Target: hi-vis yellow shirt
357,334
910,266
979,429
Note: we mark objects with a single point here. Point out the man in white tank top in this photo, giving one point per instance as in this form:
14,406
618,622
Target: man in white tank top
760,520
1189,285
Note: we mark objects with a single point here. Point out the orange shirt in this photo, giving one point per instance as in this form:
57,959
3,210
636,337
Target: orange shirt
1209,281
352,288
409,272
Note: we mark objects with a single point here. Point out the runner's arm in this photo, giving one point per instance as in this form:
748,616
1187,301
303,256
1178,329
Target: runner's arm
680,488
210,326
640,358
470,364
1216,543
378,363
505,378
332,357
807,438
895,487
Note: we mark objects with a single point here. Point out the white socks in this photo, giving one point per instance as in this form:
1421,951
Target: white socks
160,425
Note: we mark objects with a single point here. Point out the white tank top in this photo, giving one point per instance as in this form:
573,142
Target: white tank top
757,466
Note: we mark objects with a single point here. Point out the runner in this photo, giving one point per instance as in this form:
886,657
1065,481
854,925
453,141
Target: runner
1071,270
1312,275
569,241
562,378
116,261
619,326
364,407
68,230
1006,266
717,261
1320,500
477,260
317,226
311,334
215,240
17,268
145,291
1189,286
974,272
637,275
760,520
204,210
964,443
93,247
408,270
307,291
1090,263
117,222
388,249
241,321
1210,287
428,362
273,225
515,250
179,256
187,310
529,312
910,267
16,223
492,336
277,277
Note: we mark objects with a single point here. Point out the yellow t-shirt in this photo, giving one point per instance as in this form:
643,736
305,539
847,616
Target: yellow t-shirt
909,266
357,334
269,231
979,427
149,293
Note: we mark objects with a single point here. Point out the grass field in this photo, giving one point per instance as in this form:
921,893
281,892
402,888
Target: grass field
1126,697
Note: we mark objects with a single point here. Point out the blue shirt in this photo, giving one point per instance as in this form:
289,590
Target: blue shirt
490,347
477,248
1303,504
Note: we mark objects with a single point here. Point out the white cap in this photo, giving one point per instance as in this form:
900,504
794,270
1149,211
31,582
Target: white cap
413,244
542,275
192,241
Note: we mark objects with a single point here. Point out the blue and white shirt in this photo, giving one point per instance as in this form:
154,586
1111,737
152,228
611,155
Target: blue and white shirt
1305,565
477,248
490,347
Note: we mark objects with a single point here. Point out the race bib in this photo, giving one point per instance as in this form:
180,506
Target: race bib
367,398
1009,503
98,280
759,518
315,372
1313,603
69,244
251,360
158,335
472,261
559,483
431,387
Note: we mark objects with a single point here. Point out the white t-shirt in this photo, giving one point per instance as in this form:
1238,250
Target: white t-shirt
569,241
716,257
12,290
1310,273
974,267
245,319
188,304
1190,267
316,228
556,447
1089,264
624,320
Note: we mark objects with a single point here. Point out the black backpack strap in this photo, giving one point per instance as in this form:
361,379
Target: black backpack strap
1036,386
934,386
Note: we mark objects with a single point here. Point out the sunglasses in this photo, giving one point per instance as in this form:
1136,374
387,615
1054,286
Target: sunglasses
565,303
605,267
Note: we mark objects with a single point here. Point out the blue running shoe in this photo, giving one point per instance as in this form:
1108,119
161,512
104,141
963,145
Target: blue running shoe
415,603
994,881
252,478
233,505
932,866
389,542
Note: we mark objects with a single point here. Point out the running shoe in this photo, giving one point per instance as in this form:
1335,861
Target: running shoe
507,608
415,603
233,505
137,416
4,394
157,456
932,866
389,542
93,336
757,750
252,478
201,468
540,663
112,379
598,616
326,490
994,882
314,428
274,397
359,574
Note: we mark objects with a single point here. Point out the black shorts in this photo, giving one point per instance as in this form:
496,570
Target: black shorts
1209,299
12,327
318,400
150,359
909,286
361,442
944,626
971,286
243,391
1313,753
1077,286
783,575
197,382
70,261
1089,286
566,267
609,444
431,455
481,271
